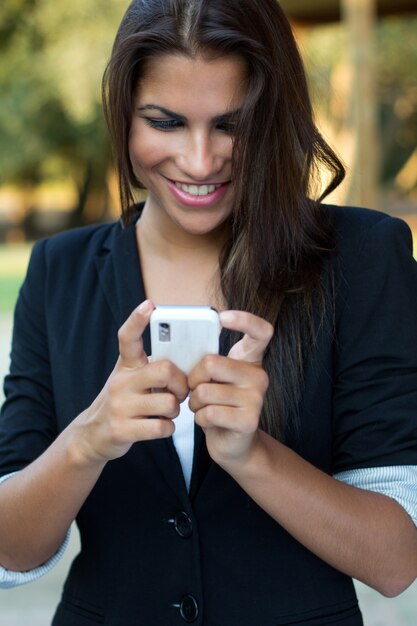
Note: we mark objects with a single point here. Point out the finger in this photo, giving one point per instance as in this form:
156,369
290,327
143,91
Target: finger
257,335
222,369
152,376
165,375
137,406
213,393
147,429
212,367
225,417
160,405
130,334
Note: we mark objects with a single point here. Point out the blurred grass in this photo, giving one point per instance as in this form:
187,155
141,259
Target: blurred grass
13,263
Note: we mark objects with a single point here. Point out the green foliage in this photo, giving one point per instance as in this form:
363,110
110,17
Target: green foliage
325,49
52,57
11,13
397,85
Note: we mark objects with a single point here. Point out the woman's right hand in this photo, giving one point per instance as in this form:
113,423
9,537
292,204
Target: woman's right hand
119,415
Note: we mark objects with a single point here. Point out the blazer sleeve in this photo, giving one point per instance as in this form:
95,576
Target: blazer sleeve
375,384
27,420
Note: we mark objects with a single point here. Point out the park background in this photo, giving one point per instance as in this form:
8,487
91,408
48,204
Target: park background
56,170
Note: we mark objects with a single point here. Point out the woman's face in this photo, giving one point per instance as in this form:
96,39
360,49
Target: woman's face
181,139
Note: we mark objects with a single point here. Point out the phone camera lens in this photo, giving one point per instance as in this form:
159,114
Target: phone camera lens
164,332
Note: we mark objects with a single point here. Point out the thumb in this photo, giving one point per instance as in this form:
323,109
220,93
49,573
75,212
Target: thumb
257,333
130,334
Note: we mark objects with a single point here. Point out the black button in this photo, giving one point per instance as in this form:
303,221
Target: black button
183,525
189,609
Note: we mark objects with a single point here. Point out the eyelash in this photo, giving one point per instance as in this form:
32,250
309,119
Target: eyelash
172,124
163,124
227,127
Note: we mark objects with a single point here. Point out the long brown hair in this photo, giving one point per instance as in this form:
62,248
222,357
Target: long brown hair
273,262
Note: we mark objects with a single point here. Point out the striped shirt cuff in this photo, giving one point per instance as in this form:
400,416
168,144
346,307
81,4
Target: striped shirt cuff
9,579
398,482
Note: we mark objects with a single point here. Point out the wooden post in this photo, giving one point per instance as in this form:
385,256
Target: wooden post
360,19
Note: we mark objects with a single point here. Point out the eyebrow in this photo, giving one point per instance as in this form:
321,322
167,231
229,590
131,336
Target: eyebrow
218,118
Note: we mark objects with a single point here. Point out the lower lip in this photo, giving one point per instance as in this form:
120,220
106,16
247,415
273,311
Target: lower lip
197,201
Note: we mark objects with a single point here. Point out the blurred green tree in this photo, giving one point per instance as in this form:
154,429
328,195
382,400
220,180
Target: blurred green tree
324,49
52,56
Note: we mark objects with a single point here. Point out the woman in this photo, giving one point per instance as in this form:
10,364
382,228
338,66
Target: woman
299,472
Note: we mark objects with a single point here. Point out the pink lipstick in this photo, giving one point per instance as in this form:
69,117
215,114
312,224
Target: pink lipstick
194,200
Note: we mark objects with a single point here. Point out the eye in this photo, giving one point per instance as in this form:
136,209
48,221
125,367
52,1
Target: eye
227,127
165,125
228,124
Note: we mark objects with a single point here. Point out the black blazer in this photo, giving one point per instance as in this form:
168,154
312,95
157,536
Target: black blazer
152,554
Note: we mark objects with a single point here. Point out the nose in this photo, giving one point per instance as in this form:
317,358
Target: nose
201,157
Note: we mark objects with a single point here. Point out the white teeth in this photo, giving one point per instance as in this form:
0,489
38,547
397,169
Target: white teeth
197,190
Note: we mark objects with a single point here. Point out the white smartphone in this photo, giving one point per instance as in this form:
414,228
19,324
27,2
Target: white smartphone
184,334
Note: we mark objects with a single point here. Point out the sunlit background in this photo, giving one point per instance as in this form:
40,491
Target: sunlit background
56,169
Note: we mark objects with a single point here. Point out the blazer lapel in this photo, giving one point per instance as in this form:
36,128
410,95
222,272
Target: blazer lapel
119,273
118,267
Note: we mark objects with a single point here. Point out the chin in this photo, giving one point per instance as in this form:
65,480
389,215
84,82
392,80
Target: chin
203,227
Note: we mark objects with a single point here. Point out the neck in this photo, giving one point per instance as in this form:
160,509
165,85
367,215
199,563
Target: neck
166,239
179,268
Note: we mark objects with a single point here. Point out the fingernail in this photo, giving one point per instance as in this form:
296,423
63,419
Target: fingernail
227,316
145,307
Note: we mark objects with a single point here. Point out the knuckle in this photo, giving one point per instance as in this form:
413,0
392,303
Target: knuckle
258,398
203,393
171,405
263,380
209,363
210,413
165,371
270,330
250,416
158,428
161,428
254,400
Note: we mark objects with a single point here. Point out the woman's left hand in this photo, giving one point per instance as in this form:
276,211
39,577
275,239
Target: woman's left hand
228,392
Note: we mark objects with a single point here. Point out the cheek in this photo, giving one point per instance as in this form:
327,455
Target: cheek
148,149
140,154
224,146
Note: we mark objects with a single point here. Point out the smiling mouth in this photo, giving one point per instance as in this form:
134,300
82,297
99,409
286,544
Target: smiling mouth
198,190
